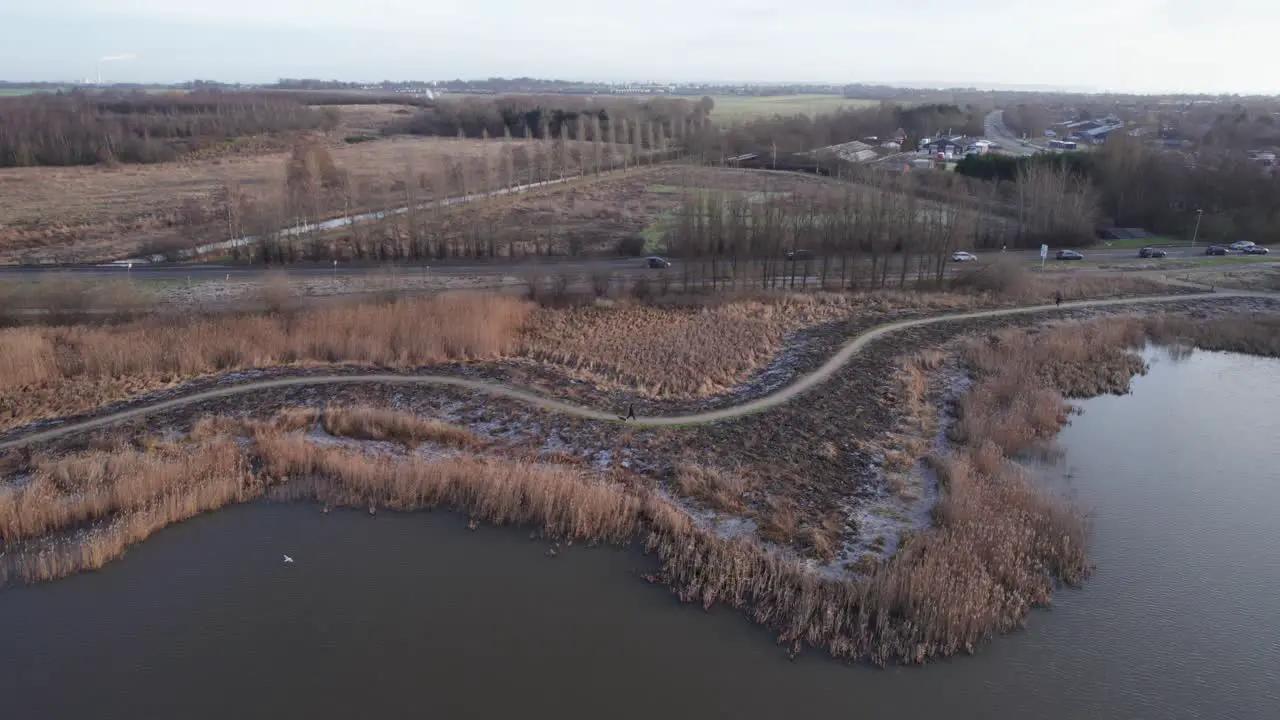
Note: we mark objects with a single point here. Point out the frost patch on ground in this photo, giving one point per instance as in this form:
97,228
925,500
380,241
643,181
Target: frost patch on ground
883,517
726,527
318,436
777,374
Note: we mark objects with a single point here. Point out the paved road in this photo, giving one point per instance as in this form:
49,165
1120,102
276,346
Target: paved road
177,271
850,349
173,271
995,130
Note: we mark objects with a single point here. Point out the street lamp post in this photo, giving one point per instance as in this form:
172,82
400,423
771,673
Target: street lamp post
1196,232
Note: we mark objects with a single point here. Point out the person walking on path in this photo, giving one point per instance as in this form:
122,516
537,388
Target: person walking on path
1057,299
631,413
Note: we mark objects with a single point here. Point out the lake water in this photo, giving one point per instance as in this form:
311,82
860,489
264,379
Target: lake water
412,615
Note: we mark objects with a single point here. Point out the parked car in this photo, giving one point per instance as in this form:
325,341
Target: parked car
799,254
1241,245
1216,250
1069,255
657,262
1149,252
962,256
1256,250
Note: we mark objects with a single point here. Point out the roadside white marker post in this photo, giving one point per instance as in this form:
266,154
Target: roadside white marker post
129,269
1044,255
335,269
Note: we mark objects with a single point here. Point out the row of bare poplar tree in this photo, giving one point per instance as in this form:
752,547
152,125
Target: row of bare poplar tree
428,211
873,231
852,225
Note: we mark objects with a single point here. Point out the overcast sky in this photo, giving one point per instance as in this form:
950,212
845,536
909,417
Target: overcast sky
1123,45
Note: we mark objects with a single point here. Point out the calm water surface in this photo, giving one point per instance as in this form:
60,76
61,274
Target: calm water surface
413,616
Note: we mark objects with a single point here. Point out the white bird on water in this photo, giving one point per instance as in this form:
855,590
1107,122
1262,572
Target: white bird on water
288,559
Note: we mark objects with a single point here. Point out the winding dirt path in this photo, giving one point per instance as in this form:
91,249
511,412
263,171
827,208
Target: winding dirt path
851,348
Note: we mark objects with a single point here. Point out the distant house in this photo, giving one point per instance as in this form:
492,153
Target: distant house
947,147
1099,134
977,147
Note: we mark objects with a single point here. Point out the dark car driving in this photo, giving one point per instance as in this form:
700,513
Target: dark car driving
799,254
657,262
1216,250
1148,252
1069,255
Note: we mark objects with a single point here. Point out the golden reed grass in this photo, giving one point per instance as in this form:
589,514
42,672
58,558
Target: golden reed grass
81,512
49,372
997,547
695,351
909,610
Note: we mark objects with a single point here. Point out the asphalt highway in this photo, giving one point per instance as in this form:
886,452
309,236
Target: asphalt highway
195,271
995,130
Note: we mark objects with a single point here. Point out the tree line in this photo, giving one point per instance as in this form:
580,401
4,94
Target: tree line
864,217
845,235
535,115
419,223
801,133
79,128
1139,186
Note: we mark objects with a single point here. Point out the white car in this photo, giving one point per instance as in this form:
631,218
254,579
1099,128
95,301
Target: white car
962,256
1240,245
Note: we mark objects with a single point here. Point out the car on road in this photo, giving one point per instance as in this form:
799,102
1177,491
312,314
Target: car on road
962,256
1240,245
799,254
1149,252
1256,250
657,263
1216,250
1069,255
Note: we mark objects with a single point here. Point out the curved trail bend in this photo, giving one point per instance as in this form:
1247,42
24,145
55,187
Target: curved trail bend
851,348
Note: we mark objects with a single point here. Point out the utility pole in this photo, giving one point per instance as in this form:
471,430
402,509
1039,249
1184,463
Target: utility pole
1196,232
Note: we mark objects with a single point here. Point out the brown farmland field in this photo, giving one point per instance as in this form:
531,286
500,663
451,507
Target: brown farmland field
100,213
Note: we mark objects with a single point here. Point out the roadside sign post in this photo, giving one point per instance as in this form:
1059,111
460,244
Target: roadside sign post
1044,255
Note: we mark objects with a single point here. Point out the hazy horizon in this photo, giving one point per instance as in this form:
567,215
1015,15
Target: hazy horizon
1136,46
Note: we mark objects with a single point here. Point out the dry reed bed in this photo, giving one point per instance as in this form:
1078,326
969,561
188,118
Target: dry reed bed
50,372
998,547
907,611
674,352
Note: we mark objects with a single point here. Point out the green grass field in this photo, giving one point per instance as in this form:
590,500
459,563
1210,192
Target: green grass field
15,92
742,107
